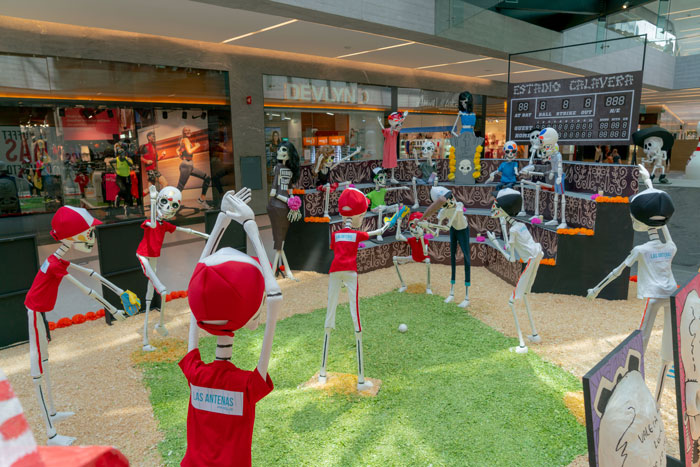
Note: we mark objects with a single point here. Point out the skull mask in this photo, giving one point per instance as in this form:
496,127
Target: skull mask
84,241
427,149
465,166
283,154
415,229
510,150
653,145
168,202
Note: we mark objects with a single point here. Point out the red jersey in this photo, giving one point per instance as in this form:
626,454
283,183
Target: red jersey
150,154
44,291
152,240
221,413
417,249
344,244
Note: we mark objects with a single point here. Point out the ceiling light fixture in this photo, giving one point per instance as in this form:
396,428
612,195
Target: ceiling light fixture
454,63
682,11
330,113
375,50
269,28
687,17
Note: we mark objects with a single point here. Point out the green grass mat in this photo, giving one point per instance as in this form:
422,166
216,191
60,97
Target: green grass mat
452,393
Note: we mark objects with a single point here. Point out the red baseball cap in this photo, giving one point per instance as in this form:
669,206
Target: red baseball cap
70,221
352,202
415,215
227,285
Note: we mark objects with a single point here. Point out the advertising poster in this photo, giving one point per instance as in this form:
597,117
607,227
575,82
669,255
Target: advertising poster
181,144
685,319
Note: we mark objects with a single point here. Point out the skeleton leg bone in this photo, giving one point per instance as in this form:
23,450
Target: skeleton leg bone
393,178
326,199
287,269
149,266
563,224
428,290
416,205
334,283
534,337
556,211
400,260
522,348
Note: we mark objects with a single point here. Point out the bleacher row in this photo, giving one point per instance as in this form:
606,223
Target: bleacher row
580,260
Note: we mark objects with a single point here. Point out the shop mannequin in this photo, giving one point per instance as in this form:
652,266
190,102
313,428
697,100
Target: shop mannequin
225,294
352,205
378,201
73,228
122,165
518,245
164,206
149,156
391,136
465,117
651,210
428,170
186,150
280,206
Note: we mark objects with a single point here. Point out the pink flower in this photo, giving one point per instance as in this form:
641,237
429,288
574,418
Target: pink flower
429,236
294,203
480,238
593,197
361,244
536,220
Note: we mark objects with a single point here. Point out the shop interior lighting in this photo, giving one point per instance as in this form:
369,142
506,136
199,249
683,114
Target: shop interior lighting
682,11
691,29
330,113
275,115
686,17
376,50
269,28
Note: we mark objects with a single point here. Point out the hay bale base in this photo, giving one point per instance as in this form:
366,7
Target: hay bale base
341,383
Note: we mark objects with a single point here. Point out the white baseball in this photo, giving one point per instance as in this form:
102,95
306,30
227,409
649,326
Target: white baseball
403,327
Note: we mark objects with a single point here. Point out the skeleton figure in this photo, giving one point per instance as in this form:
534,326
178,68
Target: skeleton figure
651,210
419,247
352,205
164,206
428,170
453,212
465,116
508,169
518,243
378,202
322,170
73,228
225,294
548,140
657,143
391,135
278,206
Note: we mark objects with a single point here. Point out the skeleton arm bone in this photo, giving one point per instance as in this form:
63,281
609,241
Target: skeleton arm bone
348,157
614,274
509,255
96,275
118,314
274,194
381,124
455,126
192,232
153,193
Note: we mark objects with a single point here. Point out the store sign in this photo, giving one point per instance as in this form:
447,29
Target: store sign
18,146
336,140
309,141
602,109
322,140
318,91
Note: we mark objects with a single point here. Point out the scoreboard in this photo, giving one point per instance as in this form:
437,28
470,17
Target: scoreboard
602,109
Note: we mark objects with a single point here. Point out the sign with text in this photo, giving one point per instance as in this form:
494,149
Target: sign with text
291,90
601,109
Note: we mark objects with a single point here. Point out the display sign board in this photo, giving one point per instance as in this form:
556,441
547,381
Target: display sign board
601,109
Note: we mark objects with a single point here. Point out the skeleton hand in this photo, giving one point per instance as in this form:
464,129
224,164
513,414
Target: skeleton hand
119,315
293,215
558,180
153,192
492,238
236,206
551,175
490,179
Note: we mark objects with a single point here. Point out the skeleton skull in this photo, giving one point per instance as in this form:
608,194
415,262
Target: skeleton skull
84,241
653,145
379,178
427,149
535,138
396,120
283,153
548,139
415,229
465,166
168,202
510,149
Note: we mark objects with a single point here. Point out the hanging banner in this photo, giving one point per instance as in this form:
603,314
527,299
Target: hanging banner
589,110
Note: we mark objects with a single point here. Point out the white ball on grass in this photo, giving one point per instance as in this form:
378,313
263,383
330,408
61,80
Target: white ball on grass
403,327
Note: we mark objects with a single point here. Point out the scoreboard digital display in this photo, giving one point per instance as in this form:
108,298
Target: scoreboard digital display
602,109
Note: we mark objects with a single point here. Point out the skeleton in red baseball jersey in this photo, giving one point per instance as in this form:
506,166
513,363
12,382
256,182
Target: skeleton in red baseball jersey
164,206
225,294
352,205
73,228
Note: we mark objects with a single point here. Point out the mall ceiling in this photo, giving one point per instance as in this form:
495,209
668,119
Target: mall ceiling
557,15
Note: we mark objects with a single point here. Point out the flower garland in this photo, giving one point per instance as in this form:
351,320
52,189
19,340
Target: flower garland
453,164
477,162
298,191
548,262
581,231
319,220
94,315
611,199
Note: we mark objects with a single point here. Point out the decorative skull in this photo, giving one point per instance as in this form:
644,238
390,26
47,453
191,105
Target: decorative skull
283,153
548,139
427,149
465,166
653,145
535,138
413,227
168,202
510,150
379,177
396,120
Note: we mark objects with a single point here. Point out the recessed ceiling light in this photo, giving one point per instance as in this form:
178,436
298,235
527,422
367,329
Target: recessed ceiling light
275,26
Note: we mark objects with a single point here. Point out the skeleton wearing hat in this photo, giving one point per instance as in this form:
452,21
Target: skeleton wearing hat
548,140
657,143
651,210
391,135
419,247
73,228
518,245
428,169
225,293
352,205
378,201
164,206
453,211
508,169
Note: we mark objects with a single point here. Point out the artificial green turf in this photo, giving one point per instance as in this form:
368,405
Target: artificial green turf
452,393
